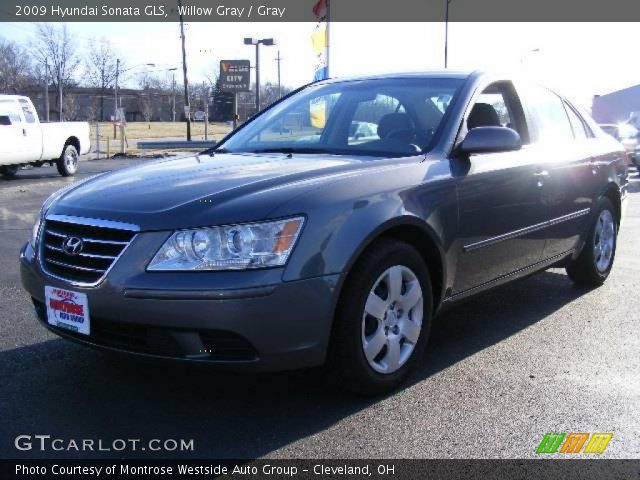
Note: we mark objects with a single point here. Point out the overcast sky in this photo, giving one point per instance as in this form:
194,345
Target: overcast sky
578,59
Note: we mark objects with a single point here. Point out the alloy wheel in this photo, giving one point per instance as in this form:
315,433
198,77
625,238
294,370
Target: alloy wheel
392,319
603,241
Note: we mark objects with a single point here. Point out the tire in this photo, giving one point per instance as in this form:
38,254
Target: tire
67,164
9,171
354,327
594,264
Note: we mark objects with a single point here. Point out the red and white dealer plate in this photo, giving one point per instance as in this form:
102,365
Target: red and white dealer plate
67,309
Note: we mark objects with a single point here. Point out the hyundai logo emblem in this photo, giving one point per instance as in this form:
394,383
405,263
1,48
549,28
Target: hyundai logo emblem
72,246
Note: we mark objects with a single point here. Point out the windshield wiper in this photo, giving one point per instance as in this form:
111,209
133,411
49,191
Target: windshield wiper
214,150
291,150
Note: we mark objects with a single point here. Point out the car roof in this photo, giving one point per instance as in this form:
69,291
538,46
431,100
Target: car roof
460,74
12,97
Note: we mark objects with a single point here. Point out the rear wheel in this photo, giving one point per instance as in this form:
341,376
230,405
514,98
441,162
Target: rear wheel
9,171
68,162
383,320
594,264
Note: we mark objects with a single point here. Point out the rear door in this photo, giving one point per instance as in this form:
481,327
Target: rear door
568,173
31,130
498,197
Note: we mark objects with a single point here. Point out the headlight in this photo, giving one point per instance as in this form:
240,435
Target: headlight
232,247
36,230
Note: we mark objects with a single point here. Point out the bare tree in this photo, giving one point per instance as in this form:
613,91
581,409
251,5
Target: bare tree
16,70
146,107
92,112
71,107
150,80
55,46
101,68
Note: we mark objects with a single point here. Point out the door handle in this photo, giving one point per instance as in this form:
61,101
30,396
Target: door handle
24,132
540,175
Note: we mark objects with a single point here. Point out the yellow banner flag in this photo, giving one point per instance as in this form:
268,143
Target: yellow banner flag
319,38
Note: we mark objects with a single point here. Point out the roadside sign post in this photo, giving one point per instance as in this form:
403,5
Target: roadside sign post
235,76
206,114
235,111
98,140
122,139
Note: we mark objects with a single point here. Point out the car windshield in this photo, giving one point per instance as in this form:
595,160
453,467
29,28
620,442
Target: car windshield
385,117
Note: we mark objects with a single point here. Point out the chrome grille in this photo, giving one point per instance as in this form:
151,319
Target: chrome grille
102,243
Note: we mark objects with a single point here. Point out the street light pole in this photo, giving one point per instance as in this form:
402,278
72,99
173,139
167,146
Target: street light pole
255,41
257,77
279,59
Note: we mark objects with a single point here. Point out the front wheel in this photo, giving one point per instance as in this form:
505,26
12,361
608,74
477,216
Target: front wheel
383,319
9,171
68,162
594,264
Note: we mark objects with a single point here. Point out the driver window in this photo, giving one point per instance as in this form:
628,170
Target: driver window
367,117
498,106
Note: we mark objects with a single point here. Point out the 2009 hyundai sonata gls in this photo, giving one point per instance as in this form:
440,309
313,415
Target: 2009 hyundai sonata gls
332,227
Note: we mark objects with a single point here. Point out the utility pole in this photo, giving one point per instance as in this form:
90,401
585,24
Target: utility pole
206,111
328,36
46,90
187,108
173,104
60,114
446,33
115,91
279,59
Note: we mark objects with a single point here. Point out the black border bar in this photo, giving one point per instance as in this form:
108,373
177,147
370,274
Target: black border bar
323,469
302,10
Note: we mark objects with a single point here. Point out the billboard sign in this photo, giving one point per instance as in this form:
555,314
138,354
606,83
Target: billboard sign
235,76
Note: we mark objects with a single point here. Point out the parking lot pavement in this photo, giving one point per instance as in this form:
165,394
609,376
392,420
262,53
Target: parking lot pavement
536,356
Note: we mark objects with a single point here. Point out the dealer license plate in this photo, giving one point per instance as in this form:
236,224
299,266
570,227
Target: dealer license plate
67,309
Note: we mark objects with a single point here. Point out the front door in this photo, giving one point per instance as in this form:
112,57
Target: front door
498,199
13,144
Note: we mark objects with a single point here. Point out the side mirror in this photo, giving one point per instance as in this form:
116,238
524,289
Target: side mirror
490,140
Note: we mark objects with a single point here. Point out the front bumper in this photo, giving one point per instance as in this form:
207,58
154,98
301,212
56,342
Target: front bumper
248,319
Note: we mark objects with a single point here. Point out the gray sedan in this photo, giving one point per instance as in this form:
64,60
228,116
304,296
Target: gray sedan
293,244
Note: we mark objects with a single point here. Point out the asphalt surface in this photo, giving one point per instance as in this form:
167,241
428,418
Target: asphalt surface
502,369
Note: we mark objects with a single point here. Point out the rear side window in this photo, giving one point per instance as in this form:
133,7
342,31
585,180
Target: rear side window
577,124
9,109
549,115
27,111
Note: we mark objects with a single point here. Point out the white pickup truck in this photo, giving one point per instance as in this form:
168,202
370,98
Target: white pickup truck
26,141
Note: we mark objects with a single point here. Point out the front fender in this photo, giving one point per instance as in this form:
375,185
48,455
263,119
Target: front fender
337,233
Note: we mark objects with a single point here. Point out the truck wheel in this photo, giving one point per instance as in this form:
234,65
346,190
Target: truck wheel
68,162
594,264
9,171
383,321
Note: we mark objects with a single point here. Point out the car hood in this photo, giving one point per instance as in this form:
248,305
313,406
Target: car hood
187,191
